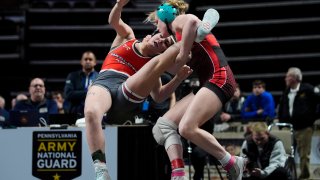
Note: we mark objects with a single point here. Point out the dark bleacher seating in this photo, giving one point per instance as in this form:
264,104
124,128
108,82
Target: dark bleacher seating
11,32
60,35
83,4
11,49
261,39
40,4
61,4
103,4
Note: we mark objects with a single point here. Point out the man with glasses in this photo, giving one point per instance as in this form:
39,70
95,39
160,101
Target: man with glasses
37,102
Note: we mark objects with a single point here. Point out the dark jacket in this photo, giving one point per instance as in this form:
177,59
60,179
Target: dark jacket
253,152
4,116
48,106
75,91
42,109
304,107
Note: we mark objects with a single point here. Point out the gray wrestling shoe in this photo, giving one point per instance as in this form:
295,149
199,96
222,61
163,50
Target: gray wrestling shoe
236,171
101,170
178,178
209,21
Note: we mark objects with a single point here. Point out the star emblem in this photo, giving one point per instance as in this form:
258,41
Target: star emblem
56,177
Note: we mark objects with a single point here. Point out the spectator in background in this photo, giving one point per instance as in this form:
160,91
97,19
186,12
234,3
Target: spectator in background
62,104
266,154
4,114
231,111
297,106
77,83
19,97
260,104
232,149
37,101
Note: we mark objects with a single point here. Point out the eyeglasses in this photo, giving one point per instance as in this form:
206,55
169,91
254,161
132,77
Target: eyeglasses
36,85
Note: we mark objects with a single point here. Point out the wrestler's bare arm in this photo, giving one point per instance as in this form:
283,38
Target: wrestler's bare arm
124,31
187,25
159,93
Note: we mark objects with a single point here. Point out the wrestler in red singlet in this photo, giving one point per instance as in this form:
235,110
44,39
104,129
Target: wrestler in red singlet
125,59
210,64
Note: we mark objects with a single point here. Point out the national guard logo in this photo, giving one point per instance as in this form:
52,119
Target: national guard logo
56,155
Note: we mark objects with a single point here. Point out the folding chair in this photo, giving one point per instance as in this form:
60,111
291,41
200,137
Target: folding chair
284,131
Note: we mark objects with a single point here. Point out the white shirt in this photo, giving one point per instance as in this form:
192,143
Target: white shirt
292,94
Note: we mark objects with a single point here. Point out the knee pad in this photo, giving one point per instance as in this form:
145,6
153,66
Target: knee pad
165,133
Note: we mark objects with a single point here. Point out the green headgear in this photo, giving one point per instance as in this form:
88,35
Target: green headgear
166,12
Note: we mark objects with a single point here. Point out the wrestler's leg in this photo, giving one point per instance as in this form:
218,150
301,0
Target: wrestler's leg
165,133
175,114
98,101
143,81
204,106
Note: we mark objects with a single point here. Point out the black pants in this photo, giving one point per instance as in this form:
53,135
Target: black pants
279,173
198,159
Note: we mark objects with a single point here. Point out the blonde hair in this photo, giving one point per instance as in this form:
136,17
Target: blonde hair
259,127
181,6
